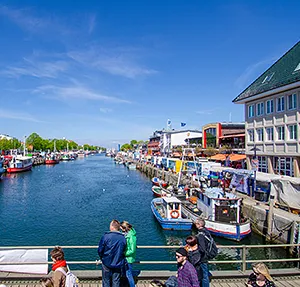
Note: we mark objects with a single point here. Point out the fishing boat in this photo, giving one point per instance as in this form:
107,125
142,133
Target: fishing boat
167,211
19,163
2,170
222,213
158,182
159,192
81,154
131,166
65,157
51,159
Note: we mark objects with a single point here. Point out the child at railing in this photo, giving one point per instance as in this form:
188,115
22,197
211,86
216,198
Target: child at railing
260,276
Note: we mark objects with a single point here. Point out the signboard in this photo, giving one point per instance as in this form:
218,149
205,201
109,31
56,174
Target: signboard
254,164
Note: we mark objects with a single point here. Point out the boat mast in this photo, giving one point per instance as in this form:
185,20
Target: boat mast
54,149
24,152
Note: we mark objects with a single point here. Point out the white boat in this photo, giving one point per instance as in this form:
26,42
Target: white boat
19,163
222,213
168,212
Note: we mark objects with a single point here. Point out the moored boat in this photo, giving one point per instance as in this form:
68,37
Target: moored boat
222,214
167,211
19,164
158,182
159,192
51,159
2,170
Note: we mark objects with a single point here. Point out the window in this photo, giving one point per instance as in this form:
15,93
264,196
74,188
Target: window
283,165
262,164
260,135
280,104
293,132
268,78
251,135
270,134
260,109
270,108
297,68
251,111
280,133
292,102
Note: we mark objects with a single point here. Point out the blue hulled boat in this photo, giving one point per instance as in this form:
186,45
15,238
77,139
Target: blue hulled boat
167,211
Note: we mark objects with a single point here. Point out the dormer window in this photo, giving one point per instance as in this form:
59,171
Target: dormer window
297,68
268,78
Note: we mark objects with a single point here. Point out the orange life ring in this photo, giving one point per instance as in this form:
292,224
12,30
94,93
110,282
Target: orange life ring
174,214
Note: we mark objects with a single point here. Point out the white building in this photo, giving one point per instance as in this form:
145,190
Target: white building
272,116
2,136
170,139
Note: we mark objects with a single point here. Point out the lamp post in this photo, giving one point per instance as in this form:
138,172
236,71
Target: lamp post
254,164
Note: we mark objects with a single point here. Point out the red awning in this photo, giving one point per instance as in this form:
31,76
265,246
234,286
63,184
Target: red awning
153,144
232,136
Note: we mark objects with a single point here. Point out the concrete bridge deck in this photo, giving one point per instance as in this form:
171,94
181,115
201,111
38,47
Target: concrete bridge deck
282,278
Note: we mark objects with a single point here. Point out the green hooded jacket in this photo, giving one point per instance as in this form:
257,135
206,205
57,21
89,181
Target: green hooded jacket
130,251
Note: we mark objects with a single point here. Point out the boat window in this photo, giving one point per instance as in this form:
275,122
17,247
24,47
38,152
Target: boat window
177,206
171,206
208,201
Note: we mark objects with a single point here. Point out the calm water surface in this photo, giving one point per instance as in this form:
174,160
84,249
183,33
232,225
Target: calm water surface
73,202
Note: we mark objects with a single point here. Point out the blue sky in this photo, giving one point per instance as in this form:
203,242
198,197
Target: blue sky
106,72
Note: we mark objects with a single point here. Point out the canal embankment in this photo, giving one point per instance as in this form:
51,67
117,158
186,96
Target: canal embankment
274,224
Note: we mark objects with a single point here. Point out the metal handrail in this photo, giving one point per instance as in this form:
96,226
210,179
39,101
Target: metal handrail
244,261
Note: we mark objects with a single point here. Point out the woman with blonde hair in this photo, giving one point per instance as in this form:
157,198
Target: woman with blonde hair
260,277
130,251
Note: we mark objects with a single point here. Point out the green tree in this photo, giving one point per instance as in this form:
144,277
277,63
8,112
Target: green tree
126,147
35,141
133,143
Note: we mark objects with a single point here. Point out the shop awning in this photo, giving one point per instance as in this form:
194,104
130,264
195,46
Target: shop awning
219,156
237,157
232,136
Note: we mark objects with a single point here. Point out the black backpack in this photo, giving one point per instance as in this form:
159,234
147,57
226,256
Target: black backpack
211,248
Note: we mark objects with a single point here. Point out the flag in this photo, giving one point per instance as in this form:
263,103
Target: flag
183,124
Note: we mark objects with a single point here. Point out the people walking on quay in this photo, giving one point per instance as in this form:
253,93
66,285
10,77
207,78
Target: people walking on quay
260,277
111,251
130,251
59,263
186,274
207,248
194,255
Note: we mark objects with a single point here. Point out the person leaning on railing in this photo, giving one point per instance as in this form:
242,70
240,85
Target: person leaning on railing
260,276
59,262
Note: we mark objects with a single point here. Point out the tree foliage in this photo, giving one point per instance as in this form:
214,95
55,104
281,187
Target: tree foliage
126,147
6,144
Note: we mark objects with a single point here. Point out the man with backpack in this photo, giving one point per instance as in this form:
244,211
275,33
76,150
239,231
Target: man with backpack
111,251
207,247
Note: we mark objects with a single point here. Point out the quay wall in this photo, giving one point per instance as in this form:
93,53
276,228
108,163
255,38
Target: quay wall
285,226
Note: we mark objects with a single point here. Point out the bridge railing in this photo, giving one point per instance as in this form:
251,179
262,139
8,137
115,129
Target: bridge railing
243,261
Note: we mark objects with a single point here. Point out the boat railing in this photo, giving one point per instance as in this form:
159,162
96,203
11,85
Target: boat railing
242,260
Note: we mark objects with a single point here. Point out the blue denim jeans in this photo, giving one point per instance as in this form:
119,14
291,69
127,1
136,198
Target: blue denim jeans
129,275
110,277
205,279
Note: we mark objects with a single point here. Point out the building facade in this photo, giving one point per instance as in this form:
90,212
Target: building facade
216,135
272,116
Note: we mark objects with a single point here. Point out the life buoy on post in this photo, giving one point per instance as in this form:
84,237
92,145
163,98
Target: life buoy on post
174,214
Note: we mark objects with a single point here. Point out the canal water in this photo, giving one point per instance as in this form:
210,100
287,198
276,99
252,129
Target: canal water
72,203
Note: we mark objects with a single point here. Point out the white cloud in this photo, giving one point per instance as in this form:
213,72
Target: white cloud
36,68
206,112
121,61
6,114
105,110
91,23
252,71
75,92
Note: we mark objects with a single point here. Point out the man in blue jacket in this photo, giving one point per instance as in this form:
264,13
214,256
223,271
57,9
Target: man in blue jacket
112,254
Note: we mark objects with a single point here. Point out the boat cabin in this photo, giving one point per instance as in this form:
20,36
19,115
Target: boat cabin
172,206
218,205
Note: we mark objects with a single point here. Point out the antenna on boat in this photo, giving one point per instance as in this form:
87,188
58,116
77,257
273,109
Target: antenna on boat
24,152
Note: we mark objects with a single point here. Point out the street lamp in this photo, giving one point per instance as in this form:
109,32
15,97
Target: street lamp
254,164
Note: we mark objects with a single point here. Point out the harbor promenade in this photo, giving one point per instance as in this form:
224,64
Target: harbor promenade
220,279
